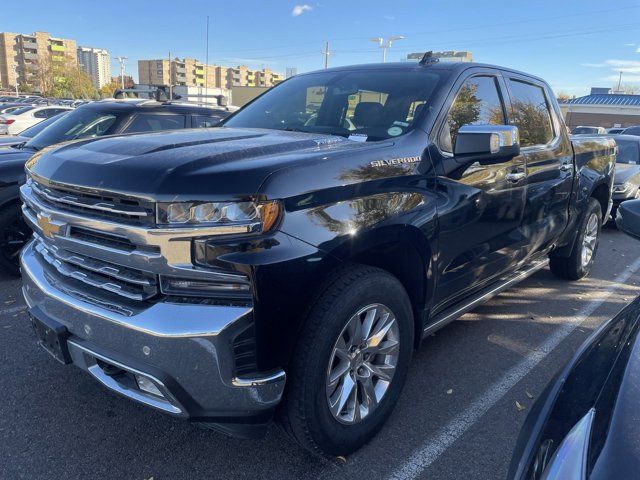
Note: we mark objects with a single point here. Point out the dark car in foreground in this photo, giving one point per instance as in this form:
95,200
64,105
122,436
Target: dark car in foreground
627,180
92,120
585,424
290,261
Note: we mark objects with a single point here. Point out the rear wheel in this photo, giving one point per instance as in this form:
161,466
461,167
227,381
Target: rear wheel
350,363
585,246
14,234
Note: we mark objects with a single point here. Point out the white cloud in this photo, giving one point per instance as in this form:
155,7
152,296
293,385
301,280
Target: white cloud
389,17
625,66
300,9
629,44
592,65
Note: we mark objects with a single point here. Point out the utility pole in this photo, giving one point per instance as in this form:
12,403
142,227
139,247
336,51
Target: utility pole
386,45
170,77
619,81
326,54
121,60
206,65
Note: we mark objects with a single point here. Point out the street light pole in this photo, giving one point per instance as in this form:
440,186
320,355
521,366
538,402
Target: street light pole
15,71
122,60
386,45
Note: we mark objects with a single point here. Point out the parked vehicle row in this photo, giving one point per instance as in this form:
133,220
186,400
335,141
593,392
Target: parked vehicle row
22,118
290,261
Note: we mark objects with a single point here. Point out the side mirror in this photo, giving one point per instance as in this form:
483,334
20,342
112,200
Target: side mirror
223,101
486,143
628,218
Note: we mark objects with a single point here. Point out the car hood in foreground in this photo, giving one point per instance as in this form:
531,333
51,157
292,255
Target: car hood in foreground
202,164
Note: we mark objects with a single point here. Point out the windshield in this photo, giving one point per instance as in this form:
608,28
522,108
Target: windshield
79,123
367,105
628,152
38,127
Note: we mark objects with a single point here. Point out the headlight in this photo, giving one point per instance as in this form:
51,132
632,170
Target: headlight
257,217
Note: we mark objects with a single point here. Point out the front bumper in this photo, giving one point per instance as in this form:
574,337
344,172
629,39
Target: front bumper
185,350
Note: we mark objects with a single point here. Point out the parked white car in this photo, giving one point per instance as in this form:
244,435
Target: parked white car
27,116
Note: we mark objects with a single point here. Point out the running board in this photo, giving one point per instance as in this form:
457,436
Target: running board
456,311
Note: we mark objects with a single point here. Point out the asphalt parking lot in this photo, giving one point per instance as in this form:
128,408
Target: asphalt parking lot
457,417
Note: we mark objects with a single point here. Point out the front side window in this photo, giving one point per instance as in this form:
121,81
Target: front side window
530,113
148,122
477,103
370,104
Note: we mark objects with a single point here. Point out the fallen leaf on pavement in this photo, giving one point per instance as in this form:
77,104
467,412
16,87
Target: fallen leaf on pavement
519,406
528,394
450,391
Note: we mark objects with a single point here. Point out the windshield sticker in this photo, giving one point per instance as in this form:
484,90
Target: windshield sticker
401,124
394,131
358,137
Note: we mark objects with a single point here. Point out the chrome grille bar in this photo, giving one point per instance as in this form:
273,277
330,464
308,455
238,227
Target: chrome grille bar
86,202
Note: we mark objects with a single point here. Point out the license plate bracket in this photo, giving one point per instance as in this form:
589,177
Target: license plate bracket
52,336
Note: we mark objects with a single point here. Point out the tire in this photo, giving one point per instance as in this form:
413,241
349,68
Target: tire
14,234
305,413
575,266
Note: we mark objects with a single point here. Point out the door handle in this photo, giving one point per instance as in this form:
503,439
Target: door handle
515,176
566,167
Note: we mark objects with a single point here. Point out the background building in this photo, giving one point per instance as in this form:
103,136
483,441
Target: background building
191,72
601,109
96,62
22,55
448,56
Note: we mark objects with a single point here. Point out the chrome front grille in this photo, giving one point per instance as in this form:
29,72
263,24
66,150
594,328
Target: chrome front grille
101,205
127,282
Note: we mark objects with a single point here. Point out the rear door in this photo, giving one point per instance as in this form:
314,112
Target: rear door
548,156
482,203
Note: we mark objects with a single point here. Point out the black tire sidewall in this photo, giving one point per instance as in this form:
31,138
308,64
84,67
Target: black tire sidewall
583,270
8,215
327,433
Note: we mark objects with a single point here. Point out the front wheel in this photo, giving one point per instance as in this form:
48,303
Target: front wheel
350,363
585,246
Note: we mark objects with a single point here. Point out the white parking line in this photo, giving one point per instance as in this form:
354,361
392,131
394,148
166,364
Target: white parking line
436,445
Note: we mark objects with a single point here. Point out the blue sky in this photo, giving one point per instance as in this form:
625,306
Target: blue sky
572,44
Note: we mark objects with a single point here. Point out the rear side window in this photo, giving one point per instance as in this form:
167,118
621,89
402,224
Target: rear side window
530,113
46,113
147,122
477,103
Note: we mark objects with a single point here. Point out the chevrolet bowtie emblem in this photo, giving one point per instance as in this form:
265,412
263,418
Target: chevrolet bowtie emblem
48,227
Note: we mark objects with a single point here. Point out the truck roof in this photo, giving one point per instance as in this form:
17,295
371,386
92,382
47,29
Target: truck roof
457,67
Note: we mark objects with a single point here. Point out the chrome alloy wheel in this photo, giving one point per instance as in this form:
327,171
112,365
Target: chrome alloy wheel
590,239
362,363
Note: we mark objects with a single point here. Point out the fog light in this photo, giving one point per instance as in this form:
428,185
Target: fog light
148,386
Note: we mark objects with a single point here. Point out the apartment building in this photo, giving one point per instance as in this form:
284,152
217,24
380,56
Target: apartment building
22,54
190,72
96,62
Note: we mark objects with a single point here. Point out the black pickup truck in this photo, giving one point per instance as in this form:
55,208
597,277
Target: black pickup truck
290,261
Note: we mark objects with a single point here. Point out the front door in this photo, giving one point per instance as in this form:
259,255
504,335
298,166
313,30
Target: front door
481,204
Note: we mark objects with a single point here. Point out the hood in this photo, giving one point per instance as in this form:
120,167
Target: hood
202,164
624,171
